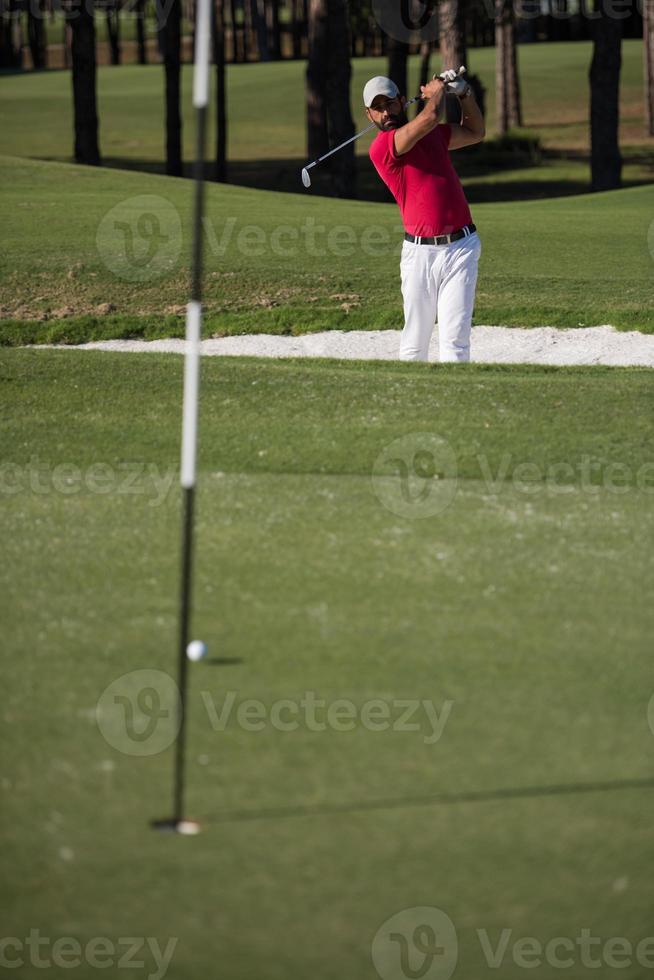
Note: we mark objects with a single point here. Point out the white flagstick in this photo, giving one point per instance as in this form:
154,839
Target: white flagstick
190,414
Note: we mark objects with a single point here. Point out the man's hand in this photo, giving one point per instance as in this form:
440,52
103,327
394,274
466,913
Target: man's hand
450,74
454,82
459,87
433,90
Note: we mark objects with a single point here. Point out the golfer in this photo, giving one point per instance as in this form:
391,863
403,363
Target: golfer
441,247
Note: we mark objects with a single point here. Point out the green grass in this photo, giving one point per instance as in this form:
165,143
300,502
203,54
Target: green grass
267,138
522,605
568,262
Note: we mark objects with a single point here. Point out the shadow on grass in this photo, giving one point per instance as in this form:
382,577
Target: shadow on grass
432,799
475,165
284,175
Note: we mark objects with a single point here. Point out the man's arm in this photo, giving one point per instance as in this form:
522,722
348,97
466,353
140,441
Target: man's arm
407,136
471,129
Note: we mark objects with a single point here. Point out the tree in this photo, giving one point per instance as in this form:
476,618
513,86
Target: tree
220,170
605,159
112,12
169,31
272,7
79,14
258,15
11,55
454,49
398,53
425,58
140,32
507,86
232,22
329,118
36,33
426,51
298,25
648,53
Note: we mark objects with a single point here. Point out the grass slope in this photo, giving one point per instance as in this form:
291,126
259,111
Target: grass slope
309,264
522,605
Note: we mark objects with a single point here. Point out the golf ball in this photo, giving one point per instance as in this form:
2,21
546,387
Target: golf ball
196,650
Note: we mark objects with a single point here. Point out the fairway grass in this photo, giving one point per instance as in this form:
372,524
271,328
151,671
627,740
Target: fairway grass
518,602
282,263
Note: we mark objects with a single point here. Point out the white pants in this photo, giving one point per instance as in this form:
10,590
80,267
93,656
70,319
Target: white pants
438,283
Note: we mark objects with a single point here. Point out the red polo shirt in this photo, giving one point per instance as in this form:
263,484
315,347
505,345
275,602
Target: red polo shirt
423,182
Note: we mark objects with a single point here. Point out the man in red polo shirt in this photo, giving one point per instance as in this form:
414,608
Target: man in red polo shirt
441,249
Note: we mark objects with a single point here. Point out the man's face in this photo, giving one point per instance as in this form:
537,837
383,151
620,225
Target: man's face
387,113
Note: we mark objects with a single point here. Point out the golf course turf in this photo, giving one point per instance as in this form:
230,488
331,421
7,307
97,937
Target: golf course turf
516,610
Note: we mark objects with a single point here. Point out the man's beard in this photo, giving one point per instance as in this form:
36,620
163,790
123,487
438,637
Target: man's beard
393,122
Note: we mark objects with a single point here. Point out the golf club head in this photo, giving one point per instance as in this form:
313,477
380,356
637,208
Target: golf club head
306,180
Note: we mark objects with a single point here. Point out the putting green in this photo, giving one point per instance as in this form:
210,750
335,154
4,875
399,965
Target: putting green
504,603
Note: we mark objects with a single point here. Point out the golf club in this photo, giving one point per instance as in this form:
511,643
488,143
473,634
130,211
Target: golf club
306,178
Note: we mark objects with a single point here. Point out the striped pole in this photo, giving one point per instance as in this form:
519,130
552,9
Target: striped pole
179,822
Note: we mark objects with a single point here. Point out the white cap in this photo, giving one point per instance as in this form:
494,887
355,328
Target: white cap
379,85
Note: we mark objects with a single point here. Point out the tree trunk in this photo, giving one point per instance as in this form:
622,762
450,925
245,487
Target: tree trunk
648,51
113,32
67,44
241,32
425,58
233,57
425,75
507,87
11,55
454,50
140,32
398,53
297,13
605,159
220,170
316,79
259,20
274,30
80,16
329,118
36,33
452,33
501,67
170,44
248,29
515,97
339,115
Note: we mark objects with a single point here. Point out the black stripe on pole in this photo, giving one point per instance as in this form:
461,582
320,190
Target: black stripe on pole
184,621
